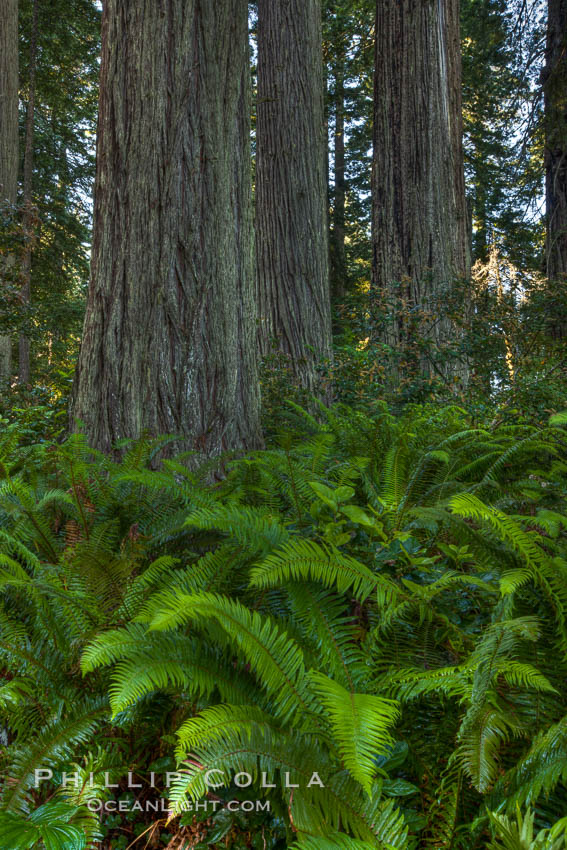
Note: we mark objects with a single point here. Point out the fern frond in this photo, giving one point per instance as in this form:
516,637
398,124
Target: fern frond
216,722
276,660
469,506
320,614
258,531
407,685
361,725
481,736
304,559
538,771
329,842
329,802
52,745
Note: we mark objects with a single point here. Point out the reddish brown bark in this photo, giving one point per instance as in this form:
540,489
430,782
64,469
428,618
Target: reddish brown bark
169,333
291,186
419,223
555,89
8,142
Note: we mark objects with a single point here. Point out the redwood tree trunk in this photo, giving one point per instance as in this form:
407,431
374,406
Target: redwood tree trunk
338,254
291,189
419,220
168,343
29,216
555,88
8,145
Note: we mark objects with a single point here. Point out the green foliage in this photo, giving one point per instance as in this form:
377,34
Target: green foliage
360,724
366,619
503,343
502,152
519,835
49,825
52,226
66,101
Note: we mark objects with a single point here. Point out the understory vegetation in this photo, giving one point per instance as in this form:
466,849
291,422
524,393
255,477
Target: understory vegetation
369,617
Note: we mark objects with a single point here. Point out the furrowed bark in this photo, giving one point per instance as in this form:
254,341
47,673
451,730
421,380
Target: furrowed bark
555,96
29,216
169,332
419,221
291,192
338,253
8,144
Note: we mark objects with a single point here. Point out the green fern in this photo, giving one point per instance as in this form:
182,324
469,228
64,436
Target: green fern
361,725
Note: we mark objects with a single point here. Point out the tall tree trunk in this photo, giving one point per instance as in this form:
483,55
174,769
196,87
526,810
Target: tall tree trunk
29,216
168,344
327,167
419,213
479,215
291,191
555,88
8,146
338,254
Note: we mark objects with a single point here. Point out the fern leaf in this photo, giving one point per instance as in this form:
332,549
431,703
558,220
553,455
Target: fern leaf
215,723
273,656
361,725
306,560
482,734
469,506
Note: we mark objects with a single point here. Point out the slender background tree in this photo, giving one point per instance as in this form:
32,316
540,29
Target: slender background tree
8,150
291,192
59,71
555,88
420,227
337,34
349,56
